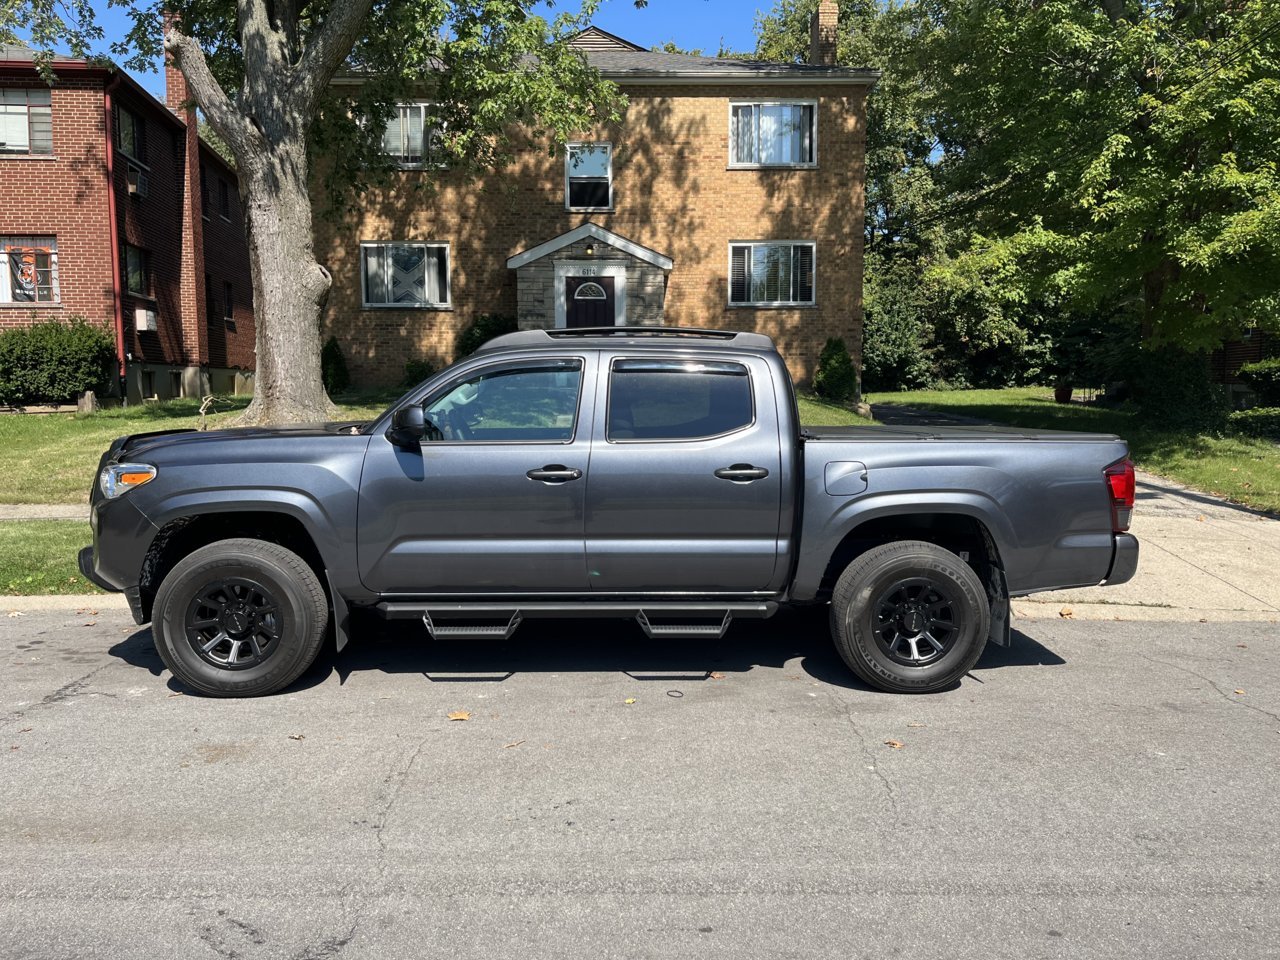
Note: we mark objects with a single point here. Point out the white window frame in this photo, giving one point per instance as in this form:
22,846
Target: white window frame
737,165
426,162
757,304
6,286
567,178
445,304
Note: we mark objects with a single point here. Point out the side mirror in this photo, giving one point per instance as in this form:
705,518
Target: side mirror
408,426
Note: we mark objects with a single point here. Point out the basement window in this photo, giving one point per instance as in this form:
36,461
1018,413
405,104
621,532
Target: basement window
28,270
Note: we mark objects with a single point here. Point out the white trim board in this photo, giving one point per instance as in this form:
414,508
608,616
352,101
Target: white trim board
594,232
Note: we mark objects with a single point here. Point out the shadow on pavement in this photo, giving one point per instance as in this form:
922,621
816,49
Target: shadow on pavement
578,646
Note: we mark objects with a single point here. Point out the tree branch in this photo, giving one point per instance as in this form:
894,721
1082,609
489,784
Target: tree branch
325,53
223,116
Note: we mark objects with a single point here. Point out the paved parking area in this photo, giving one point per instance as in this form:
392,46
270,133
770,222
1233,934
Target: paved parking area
1100,790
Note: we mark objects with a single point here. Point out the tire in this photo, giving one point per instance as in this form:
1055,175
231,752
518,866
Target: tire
240,618
910,617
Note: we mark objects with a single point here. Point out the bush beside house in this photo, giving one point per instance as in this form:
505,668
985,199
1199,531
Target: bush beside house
54,361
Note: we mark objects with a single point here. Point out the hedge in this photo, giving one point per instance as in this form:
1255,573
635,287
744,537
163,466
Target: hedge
1259,422
54,361
1264,377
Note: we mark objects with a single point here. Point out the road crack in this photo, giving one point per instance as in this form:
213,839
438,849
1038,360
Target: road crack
1228,697
68,691
890,791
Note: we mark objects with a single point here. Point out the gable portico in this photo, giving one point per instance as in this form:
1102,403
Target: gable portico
590,276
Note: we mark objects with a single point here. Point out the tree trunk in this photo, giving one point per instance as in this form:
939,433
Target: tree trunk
290,290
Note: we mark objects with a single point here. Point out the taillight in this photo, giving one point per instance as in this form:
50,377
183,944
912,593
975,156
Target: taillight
1121,484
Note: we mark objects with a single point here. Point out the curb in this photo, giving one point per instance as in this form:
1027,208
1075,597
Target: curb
1054,610
66,601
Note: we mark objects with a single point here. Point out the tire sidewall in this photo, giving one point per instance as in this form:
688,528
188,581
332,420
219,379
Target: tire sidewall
857,627
180,588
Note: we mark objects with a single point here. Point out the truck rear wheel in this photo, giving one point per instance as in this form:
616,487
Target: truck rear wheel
240,618
909,617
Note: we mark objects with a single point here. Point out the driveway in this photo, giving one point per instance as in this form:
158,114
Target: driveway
1101,790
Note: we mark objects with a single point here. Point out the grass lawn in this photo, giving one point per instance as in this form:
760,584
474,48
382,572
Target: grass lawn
39,556
1242,469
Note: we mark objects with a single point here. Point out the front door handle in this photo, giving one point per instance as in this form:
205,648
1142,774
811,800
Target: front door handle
742,473
555,473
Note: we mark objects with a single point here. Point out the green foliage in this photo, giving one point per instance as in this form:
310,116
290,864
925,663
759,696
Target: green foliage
1261,422
483,329
53,361
415,371
836,378
333,367
1171,389
1264,378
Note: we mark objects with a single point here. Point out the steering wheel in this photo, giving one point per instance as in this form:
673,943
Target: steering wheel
457,426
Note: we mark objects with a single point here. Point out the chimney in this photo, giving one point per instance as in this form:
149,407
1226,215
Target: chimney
823,29
177,95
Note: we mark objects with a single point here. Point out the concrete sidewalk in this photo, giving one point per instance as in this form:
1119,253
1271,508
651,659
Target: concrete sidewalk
44,511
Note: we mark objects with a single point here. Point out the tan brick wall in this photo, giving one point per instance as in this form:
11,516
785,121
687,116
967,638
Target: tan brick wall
673,192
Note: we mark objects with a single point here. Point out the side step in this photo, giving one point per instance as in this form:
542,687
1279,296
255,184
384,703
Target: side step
675,619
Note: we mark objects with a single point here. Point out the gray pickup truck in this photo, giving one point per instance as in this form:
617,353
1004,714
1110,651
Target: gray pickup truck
658,474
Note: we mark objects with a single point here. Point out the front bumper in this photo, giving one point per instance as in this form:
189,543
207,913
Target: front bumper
85,561
1124,560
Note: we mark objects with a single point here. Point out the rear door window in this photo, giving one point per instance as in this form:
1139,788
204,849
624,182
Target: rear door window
678,399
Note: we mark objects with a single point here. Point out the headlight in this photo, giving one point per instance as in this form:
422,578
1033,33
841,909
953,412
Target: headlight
116,478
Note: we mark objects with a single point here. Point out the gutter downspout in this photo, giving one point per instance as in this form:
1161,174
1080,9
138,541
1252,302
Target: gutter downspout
112,237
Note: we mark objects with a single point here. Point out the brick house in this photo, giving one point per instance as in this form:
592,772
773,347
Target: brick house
113,209
731,195
1226,361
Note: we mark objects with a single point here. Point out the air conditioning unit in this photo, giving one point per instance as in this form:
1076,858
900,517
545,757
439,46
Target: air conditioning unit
145,319
139,184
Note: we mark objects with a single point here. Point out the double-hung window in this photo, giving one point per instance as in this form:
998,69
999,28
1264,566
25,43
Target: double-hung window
28,270
137,271
405,274
132,135
771,274
780,134
588,176
410,136
26,121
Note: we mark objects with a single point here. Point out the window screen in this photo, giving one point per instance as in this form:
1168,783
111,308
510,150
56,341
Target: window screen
678,400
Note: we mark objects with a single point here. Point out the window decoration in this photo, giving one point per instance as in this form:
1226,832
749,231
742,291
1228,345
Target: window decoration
405,274
28,270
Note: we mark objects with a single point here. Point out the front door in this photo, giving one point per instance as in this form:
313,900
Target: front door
589,301
492,500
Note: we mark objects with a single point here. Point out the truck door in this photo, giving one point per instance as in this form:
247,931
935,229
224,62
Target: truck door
685,486
492,502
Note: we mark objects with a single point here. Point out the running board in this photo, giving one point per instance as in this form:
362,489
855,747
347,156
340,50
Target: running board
678,617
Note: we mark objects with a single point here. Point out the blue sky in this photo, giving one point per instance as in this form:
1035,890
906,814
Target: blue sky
692,24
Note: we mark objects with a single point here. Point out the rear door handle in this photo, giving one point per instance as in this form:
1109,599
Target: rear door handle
742,473
555,473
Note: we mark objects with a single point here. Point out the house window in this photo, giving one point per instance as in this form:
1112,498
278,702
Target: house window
131,135
405,274
773,134
28,270
210,305
228,301
137,275
26,121
769,274
410,136
224,199
588,176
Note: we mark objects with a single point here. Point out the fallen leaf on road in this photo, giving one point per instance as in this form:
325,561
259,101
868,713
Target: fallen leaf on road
1240,693
172,695
26,730
1243,646
629,700
917,725
1200,519
508,746
459,715
716,676
16,613
1066,613
896,744
297,736
91,623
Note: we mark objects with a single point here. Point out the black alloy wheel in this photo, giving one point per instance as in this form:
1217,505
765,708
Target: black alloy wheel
234,623
917,621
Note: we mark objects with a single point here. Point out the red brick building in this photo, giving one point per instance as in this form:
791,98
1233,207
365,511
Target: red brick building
731,195
111,208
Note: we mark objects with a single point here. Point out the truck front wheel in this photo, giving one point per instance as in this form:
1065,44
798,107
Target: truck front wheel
909,617
240,618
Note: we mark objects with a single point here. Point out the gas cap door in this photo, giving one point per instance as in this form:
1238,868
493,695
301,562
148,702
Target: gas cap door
846,478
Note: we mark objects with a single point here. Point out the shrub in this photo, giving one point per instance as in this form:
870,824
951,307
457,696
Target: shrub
333,367
1172,390
894,356
483,329
415,371
53,361
836,378
1258,422
1264,378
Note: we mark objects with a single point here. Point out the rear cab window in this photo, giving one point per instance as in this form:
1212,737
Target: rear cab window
677,399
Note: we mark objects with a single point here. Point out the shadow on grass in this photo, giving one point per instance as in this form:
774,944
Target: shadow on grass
577,646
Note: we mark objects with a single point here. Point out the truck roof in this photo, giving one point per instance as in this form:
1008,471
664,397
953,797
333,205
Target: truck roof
686,337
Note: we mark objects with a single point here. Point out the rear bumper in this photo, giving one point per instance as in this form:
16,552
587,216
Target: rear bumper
1124,560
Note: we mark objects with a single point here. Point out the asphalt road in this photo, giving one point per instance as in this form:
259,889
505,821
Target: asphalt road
1101,790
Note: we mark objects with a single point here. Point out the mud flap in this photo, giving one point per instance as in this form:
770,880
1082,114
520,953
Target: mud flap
998,599
341,615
